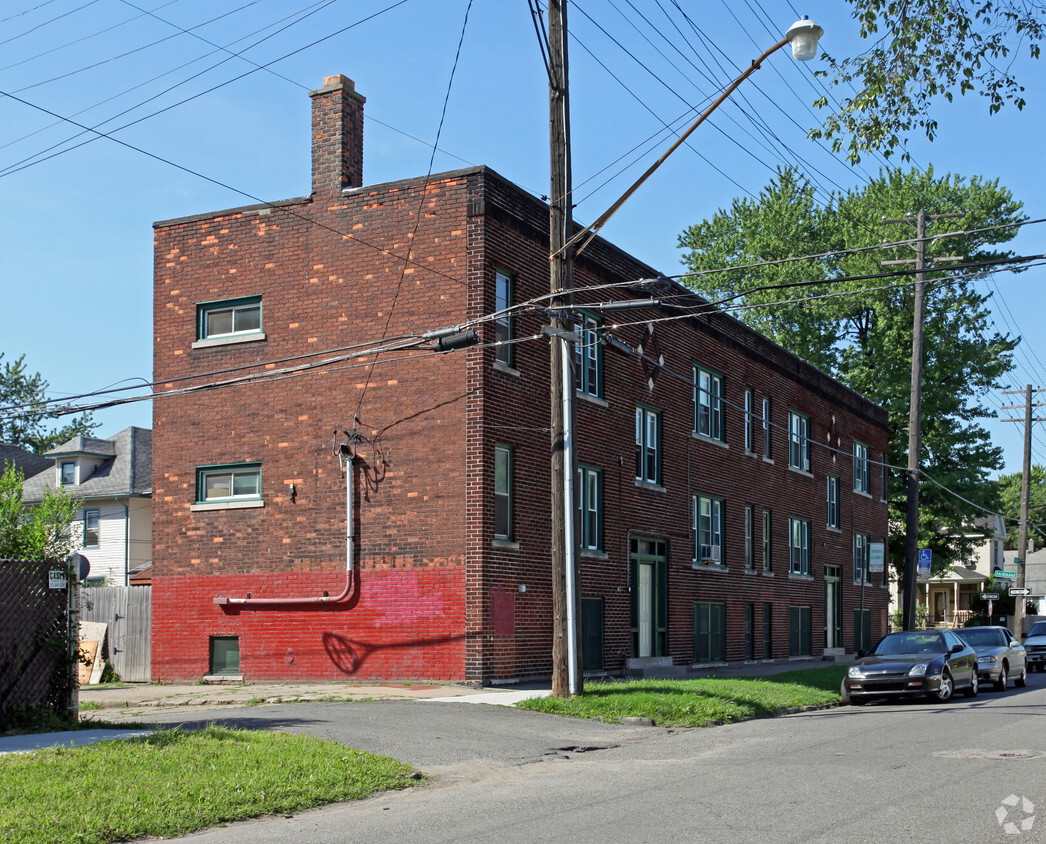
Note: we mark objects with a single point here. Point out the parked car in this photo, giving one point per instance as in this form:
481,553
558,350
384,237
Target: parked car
1000,655
1035,646
913,663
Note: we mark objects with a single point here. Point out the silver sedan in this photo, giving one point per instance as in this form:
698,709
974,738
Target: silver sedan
1000,655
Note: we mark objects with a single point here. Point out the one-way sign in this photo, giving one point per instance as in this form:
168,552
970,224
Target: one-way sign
1020,592
989,596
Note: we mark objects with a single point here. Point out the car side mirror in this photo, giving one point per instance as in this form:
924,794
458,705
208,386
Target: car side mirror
860,653
956,649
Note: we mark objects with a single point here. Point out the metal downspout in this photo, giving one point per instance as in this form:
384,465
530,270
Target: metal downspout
345,460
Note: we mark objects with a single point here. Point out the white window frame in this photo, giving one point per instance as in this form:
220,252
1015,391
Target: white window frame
767,455
89,514
749,422
237,473
749,538
237,309
767,548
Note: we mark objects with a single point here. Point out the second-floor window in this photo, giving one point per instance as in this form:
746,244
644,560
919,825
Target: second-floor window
799,546
67,472
708,403
91,533
862,557
708,530
503,492
766,541
648,445
503,351
590,507
588,357
749,422
799,441
833,501
749,538
862,477
766,428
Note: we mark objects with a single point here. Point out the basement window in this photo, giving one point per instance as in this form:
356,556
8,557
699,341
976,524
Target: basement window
225,656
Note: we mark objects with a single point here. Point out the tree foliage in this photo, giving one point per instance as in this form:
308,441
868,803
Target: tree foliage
41,532
922,51
1009,491
24,415
851,317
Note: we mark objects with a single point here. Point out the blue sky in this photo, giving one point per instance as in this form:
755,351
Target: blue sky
202,129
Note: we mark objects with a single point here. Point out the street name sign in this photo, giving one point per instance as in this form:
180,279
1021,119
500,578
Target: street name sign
1006,575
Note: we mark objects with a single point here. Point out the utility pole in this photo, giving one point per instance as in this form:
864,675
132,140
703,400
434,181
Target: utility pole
1022,539
911,529
566,673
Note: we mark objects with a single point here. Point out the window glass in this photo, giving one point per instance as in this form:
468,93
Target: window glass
648,445
229,319
503,491
799,441
833,501
590,505
708,529
862,478
68,472
503,323
229,483
91,529
588,357
799,546
708,403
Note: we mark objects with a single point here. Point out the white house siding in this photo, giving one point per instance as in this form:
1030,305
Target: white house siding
109,558
141,511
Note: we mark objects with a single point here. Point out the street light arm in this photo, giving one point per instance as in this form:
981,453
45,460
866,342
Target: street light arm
593,229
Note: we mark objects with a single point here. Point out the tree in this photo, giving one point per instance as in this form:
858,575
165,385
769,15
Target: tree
41,532
24,414
1009,492
839,312
924,51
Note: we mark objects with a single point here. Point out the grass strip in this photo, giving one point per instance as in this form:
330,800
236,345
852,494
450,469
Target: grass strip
174,782
695,703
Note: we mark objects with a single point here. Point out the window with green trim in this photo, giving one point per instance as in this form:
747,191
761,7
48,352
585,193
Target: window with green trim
862,557
862,472
229,319
833,501
503,491
799,441
588,357
590,507
504,351
239,482
648,445
799,546
708,526
708,403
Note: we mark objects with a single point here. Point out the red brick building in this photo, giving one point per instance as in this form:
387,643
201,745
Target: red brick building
724,522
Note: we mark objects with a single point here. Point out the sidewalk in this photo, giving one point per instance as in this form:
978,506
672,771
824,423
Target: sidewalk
129,702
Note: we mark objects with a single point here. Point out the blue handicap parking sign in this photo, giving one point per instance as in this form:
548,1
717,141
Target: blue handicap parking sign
925,555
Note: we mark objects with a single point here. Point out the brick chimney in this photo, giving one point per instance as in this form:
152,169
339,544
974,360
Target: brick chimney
337,136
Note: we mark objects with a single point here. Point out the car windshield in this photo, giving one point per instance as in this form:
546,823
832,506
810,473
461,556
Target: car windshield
1038,629
917,642
983,638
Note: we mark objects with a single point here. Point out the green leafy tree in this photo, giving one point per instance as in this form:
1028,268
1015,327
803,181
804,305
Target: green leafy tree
839,312
921,52
1009,491
40,532
23,412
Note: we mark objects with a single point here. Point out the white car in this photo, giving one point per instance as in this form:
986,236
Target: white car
1035,646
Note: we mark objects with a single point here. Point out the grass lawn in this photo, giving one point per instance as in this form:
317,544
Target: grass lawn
175,782
695,703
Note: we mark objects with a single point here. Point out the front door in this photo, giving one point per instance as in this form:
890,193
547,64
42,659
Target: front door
649,584
832,607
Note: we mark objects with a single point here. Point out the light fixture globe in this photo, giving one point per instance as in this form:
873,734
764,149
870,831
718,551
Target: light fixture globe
803,35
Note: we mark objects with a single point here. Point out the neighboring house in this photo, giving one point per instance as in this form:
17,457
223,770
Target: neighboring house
29,462
953,597
112,480
727,492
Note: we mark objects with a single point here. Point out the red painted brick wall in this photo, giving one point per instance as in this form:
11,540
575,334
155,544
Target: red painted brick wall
398,625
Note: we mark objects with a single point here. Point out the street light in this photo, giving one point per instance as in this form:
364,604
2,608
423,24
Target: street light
802,35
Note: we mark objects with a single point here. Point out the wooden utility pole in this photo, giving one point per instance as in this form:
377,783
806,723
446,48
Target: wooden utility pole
566,673
911,528
1022,537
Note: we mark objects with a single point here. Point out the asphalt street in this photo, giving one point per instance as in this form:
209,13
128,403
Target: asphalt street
957,772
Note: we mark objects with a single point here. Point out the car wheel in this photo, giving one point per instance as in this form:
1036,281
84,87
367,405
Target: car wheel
1000,684
974,686
1021,680
944,691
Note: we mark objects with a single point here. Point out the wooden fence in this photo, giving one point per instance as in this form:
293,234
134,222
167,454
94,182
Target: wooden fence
127,610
